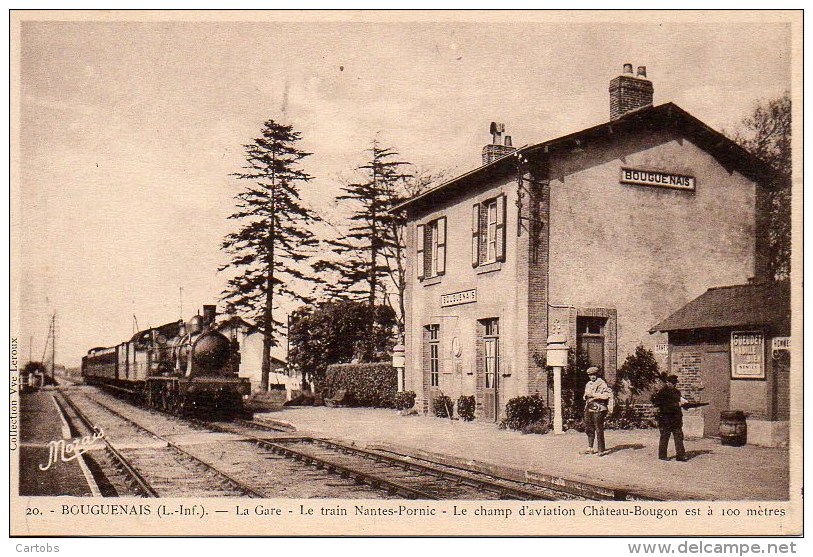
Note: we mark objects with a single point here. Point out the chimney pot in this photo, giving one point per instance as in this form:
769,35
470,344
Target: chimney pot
508,141
641,71
628,68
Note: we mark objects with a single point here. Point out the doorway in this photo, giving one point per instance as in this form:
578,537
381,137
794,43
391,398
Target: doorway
489,371
715,370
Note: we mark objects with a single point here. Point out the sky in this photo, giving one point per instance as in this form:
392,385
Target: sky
130,131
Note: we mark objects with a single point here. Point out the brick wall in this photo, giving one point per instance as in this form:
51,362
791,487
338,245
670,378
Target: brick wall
686,365
645,411
629,93
537,213
493,152
479,369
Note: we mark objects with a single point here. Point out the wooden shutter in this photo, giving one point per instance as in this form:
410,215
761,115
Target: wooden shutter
500,228
475,235
441,268
420,240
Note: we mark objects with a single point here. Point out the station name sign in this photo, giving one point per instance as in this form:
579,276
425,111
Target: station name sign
457,298
657,179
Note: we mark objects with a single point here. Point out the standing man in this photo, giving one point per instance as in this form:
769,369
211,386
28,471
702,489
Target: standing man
670,418
596,397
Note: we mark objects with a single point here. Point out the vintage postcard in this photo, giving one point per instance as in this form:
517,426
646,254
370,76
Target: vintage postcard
406,273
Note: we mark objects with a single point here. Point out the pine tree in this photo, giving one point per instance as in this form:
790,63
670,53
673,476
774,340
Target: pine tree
361,264
395,251
270,249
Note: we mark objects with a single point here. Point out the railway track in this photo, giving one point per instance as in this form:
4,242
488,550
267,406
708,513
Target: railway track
281,463
398,476
150,464
268,475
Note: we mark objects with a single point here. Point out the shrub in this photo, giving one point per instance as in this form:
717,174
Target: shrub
442,406
465,407
626,417
373,385
638,372
404,400
524,410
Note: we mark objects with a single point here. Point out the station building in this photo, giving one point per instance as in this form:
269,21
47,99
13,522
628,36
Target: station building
598,235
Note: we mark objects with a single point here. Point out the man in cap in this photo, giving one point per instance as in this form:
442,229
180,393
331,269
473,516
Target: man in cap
670,417
596,397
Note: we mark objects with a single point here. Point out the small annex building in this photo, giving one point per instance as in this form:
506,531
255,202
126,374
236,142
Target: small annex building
250,340
596,235
730,347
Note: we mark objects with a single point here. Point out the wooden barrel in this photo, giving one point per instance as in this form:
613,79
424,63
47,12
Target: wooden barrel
733,429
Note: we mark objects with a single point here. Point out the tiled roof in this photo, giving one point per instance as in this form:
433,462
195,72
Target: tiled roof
727,152
733,306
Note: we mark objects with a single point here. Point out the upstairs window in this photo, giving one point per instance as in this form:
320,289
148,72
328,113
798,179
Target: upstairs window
488,231
430,244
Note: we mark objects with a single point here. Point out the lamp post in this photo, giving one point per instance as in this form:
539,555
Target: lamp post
557,359
399,363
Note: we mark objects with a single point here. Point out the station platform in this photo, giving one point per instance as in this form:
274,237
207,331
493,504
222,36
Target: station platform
40,423
714,472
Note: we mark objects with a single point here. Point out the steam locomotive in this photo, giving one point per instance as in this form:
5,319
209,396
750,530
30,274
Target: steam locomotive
179,367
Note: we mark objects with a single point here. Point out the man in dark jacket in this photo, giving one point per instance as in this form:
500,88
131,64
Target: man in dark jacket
670,417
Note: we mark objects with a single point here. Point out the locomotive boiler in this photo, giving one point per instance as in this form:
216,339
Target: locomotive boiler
180,367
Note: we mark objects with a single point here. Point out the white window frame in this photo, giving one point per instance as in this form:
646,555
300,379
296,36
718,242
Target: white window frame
491,231
434,355
491,352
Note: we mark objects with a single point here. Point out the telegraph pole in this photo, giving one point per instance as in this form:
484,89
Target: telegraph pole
53,348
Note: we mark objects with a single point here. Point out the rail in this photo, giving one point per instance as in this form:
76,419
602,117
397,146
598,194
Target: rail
135,477
240,485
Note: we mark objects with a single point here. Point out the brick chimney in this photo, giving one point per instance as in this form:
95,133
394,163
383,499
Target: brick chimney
497,149
630,92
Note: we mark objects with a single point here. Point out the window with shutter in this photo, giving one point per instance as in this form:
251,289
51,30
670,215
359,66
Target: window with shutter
431,248
500,229
491,231
488,231
440,265
475,235
420,240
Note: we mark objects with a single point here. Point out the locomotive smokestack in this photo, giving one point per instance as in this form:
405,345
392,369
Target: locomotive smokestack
209,313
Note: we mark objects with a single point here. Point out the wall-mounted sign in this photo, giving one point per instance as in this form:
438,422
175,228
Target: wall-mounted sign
747,355
657,179
457,298
780,343
661,348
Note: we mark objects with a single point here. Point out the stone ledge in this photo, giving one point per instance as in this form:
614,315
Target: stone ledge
574,487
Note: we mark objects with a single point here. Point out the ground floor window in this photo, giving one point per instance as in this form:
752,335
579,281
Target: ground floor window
432,335
590,339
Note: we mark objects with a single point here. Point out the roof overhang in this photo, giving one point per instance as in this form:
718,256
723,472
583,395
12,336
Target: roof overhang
731,155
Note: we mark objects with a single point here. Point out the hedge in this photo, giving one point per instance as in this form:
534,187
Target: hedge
372,385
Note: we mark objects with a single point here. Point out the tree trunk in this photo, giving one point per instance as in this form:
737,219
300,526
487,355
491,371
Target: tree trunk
268,314
268,332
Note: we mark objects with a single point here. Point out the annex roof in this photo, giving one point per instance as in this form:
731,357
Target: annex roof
727,152
742,305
